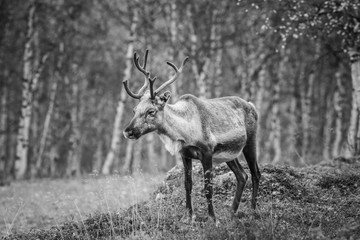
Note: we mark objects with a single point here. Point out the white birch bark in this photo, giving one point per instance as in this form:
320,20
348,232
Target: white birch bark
35,116
29,84
339,98
116,137
354,133
24,121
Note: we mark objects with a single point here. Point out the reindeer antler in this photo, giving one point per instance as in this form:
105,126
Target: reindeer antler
146,74
174,77
148,81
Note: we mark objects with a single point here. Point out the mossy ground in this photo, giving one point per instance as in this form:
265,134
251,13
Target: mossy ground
317,202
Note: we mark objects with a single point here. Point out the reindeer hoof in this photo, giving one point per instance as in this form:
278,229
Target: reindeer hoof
217,223
187,219
214,221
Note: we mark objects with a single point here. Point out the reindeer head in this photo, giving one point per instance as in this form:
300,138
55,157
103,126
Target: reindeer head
148,114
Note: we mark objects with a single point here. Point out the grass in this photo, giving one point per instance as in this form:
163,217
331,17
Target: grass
44,203
317,202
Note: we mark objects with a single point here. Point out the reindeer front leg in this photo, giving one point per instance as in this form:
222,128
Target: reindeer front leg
194,152
206,162
188,183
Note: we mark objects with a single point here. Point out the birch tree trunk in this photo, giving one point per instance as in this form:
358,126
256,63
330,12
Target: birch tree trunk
218,75
127,166
74,118
50,110
137,157
307,107
171,50
116,137
354,133
29,83
152,158
172,55
35,116
306,115
77,112
24,121
295,131
53,157
260,91
199,73
275,124
99,125
339,98
328,125
47,122
3,124
98,157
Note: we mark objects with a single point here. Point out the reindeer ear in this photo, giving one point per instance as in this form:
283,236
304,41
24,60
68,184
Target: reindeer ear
165,96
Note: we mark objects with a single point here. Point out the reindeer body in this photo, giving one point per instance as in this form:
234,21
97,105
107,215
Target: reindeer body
221,123
210,130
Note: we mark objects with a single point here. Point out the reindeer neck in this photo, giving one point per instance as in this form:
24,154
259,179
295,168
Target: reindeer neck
176,121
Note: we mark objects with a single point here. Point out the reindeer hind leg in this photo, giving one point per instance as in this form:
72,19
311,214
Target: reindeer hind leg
241,178
249,152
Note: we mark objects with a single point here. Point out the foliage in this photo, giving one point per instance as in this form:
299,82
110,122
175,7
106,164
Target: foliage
320,18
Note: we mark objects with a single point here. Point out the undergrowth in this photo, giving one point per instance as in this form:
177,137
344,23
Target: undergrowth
317,202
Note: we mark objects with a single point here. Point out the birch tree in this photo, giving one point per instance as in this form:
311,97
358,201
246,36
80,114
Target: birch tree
49,113
78,86
339,100
29,83
200,68
116,133
274,142
127,166
307,96
3,125
354,130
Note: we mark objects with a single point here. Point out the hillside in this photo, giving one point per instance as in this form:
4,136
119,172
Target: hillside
316,202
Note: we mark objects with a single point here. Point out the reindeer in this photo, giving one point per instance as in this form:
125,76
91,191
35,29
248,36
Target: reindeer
211,130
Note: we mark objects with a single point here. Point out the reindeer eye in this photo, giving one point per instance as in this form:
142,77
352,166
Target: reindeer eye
151,112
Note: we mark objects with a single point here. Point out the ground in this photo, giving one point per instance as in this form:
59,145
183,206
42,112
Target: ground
316,202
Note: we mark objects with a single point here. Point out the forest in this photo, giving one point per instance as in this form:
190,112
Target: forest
63,106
